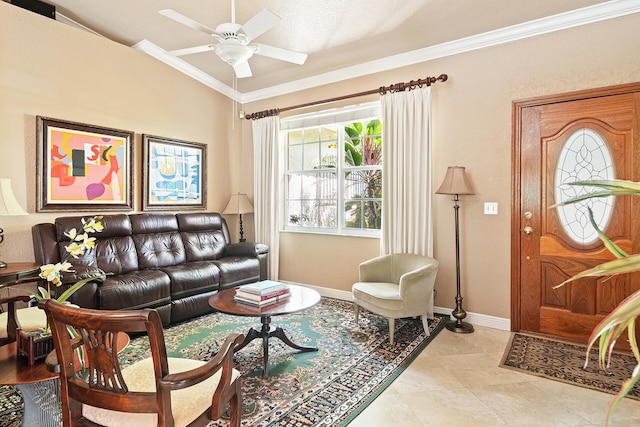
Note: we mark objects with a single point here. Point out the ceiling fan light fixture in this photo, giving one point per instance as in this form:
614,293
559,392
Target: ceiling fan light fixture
233,53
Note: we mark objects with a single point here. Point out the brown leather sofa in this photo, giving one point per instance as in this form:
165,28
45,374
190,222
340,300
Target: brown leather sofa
170,262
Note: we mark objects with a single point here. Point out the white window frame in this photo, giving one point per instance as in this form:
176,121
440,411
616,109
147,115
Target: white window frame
340,117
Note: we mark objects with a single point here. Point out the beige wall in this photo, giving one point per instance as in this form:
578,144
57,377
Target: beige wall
51,69
472,128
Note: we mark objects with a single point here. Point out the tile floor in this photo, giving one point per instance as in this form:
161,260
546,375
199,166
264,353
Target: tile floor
456,381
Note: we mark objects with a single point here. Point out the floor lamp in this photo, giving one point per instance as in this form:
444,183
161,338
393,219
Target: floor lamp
239,204
455,183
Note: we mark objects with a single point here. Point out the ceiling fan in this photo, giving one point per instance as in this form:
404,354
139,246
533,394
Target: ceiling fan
233,41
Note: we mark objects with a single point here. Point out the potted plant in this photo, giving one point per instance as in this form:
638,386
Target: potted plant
37,344
624,316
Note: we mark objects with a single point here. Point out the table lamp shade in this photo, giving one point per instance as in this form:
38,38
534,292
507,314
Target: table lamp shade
238,204
455,182
8,203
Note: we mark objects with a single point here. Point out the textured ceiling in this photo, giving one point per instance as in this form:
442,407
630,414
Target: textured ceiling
336,34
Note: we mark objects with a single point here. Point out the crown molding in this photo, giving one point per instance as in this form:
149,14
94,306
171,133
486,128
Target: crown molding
588,15
66,20
184,67
583,16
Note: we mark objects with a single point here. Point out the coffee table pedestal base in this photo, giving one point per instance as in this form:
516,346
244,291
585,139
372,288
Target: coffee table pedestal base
268,332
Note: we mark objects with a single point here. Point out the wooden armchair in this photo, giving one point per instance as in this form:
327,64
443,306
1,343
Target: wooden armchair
13,318
157,391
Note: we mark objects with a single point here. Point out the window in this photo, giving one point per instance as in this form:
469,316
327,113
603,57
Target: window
334,172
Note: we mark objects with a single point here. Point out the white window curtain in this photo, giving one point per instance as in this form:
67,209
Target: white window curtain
266,186
406,171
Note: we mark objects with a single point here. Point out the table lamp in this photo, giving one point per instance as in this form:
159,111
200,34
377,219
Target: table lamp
8,206
455,183
239,204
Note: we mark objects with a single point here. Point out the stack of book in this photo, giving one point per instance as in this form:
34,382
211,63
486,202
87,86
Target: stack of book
262,293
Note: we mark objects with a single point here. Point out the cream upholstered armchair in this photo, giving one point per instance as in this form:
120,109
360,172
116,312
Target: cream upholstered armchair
396,286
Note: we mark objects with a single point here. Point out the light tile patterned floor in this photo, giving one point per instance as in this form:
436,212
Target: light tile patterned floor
456,381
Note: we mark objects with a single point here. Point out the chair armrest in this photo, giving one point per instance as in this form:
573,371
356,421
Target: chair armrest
248,249
417,285
12,320
222,360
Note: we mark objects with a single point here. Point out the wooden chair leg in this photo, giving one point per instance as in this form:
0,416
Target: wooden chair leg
392,329
356,309
235,406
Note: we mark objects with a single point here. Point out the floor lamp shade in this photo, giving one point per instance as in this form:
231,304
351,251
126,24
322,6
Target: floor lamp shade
239,204
8,206
455,183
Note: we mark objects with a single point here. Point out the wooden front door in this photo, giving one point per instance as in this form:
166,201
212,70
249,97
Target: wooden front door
557,140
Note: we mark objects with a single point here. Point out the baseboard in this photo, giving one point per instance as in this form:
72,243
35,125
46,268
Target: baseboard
501,323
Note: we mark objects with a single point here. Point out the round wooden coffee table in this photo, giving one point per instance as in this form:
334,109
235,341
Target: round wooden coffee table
301,299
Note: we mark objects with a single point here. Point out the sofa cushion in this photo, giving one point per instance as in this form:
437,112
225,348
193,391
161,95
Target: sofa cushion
157,240
114,250
114,226
188,307
135,290
115,255
205,245
159,250
203,235
192,278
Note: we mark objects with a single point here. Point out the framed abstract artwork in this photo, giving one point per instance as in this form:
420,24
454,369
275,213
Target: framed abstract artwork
83,167
173,174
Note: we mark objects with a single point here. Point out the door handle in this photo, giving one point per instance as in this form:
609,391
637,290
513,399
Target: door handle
528,230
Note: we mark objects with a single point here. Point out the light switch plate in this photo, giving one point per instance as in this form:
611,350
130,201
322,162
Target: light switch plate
491,208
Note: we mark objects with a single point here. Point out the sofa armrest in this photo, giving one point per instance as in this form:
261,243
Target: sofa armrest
80,272
248,249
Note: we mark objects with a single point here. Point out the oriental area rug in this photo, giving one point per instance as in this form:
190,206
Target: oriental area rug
330,387
564,361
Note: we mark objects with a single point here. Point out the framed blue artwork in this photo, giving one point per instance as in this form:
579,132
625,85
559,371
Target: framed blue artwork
174,174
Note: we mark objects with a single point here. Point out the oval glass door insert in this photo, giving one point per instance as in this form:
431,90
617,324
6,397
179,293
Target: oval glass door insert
584,157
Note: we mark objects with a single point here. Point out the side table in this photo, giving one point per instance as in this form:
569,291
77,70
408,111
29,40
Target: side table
16,271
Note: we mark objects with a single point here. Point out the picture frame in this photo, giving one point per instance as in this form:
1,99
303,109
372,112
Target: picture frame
82,167
173,174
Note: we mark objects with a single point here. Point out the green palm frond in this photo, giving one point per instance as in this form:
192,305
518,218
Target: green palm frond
612,247
616,187
623,317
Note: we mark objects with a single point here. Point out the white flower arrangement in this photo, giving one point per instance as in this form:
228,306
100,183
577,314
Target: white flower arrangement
80,244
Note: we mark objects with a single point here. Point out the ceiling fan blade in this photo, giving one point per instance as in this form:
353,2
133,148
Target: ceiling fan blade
242,69
184,20
279,53
191,50
260,23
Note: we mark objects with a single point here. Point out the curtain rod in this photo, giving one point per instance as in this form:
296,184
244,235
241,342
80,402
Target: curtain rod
398,87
